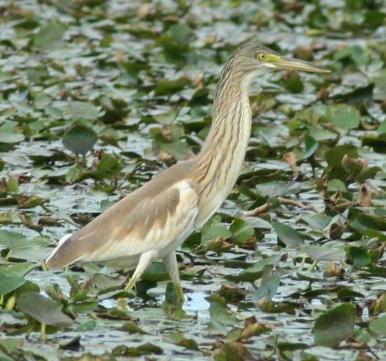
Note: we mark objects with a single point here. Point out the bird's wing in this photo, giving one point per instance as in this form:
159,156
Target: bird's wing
136,224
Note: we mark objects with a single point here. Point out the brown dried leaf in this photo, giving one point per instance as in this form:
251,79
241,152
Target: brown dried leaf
219,244
290,158
166,133
323,93
333,270
252,328
144,10
379,305
210,39
364,197
120,56
197,81
166,157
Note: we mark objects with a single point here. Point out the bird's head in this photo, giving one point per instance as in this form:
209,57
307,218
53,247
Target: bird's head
255,59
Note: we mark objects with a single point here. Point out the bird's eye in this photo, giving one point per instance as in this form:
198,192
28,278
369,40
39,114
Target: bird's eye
262,57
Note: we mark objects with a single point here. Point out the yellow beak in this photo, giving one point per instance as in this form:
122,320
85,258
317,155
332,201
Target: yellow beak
280,62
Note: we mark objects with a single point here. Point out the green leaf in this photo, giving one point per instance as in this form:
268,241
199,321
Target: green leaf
156,272
42,309
108,167
325,252
220,315
178,338
241,230
287,234
278,188
143,349
179,149
12,240
12,185
213,229
10,134
9,281
360,257
269,283
49,37
294,84
355,53
180,32
311,145
334,155
80,139
168,86
378,326
336,185
132,327
363,222
335,325
83,110
343,116
232,351
317,222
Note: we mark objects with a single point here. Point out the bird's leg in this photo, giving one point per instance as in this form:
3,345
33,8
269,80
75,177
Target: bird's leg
144,261
170,262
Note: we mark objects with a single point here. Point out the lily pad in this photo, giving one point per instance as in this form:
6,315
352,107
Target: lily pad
42,309
335,325
287,234
80,139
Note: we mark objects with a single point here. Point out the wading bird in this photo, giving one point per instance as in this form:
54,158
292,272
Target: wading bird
154,220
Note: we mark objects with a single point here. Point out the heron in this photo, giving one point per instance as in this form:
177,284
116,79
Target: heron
150,223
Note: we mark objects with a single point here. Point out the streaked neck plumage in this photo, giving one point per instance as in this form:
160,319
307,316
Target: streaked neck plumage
220,161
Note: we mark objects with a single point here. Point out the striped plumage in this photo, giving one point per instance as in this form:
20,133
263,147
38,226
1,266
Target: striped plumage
154,220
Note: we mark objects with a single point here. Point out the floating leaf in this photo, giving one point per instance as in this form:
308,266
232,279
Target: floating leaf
360,257
42,309
220,315
80,139
355,53
108,167
241,230
287,234
232,351
156,272
83,110
29,201
165,86
335,325
9,282
363,222
180,32
12,240
319,222
311,145
334,155
213,229
343,116
49,37
269,283
144,349
132,327
178,338
294,84
10,134
378,326
325,252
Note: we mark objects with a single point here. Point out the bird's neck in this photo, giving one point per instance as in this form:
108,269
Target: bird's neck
231,118
221,159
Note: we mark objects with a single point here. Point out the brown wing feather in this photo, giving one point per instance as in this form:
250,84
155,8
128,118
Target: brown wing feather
150,217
